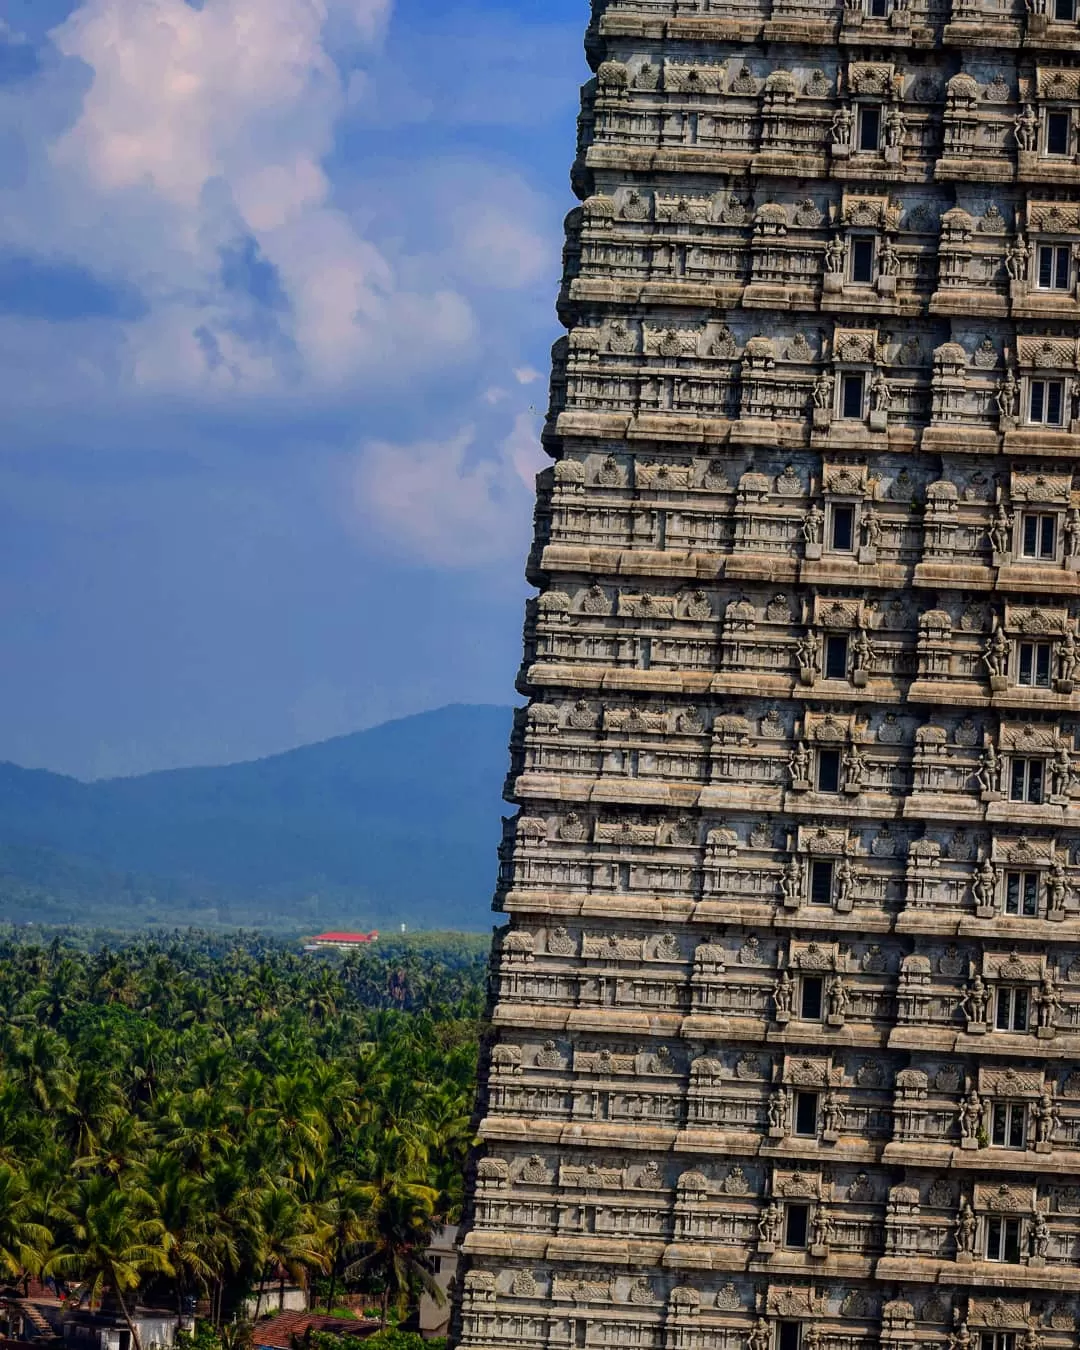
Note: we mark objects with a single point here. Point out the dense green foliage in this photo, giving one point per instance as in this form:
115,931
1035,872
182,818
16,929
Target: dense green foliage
200,1116
397,824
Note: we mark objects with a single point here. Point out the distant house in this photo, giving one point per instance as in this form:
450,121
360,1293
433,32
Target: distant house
106,1329
443,1254
342,941
281,1295
286,1330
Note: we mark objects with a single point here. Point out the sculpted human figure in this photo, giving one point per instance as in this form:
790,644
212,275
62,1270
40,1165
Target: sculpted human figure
1040,1235
845,882
1072,532
966,1226
1057,888
835,254
1046,1118
838,997
1048,997
813,526
823,395
970,1115
783,993
759,1337
799,763
1061,771
1068,656
889,260
871,528
770,1225
1007,395
821,1228
1000,529
984,888
842,123
895,126
988,774
973,1001
806,653
880,393
791,885
854,767
832,1113
996,653
777,1109
1026,128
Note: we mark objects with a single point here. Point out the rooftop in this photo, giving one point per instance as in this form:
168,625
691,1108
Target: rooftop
278,1333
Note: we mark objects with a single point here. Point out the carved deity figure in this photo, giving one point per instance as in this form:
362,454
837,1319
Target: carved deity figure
783,994
791,884
832,1113
863,652
1000,530
799,763
880,393
1007,395
841,128
1039,1236
871,528
1061,772
984,887
996,653
973,1001
970,1115
854,767
806,653
839,999
823,391
889,260
835,255
813,526
895,127
966,1225
1016,259
988,774
1046,1117
1072,533
1057,888
821,1228
845,883
771,1224
1026,128
777,1109
759,1337
960,1339
1048,997
1068,656
1031,1340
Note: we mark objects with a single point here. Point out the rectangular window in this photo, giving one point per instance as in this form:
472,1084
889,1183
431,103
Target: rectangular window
806,1114
797,1225
1046,402
789,1336
1026,783
812,999
862,261
1057,133
1033,664
851,396
828,771
1022,894
843,528
821,882
1002,1239
1039,536
836,654
1007,1124
997,1340
1065,11
1012,1008
870,128
1055,267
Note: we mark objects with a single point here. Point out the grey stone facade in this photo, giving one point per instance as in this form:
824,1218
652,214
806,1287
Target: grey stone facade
787,1011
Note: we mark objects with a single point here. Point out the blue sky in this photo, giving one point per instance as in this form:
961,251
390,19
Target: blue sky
277,282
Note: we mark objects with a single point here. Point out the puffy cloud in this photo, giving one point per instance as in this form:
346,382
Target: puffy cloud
440,501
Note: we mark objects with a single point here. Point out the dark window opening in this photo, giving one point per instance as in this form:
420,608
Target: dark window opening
790,1334
862,261
1022,894
1065,11
1012,1009
828,771
1055,267
1039,539
797,1225
813,996
1007,1122
879,9
1002,1239
821,882
851,401
1033,666
843,528
1057,133
870,128
806,1104
836,657
1026,782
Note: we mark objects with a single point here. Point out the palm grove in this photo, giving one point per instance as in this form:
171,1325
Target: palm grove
197,1119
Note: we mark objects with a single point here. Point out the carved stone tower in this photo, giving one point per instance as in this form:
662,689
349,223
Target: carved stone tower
787,1012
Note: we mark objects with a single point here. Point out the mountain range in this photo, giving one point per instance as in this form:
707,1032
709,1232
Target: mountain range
396,824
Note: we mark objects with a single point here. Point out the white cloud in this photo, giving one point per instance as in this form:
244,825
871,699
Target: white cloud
439,501
526,375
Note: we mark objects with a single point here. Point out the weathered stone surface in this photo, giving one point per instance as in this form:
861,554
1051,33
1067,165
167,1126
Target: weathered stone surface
786,1006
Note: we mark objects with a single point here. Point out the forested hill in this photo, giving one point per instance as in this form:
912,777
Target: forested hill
398,824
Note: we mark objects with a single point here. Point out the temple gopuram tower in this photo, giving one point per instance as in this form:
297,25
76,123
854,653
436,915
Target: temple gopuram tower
786,1014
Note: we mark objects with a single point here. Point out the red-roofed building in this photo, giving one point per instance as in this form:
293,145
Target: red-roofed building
343,940
289,1329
